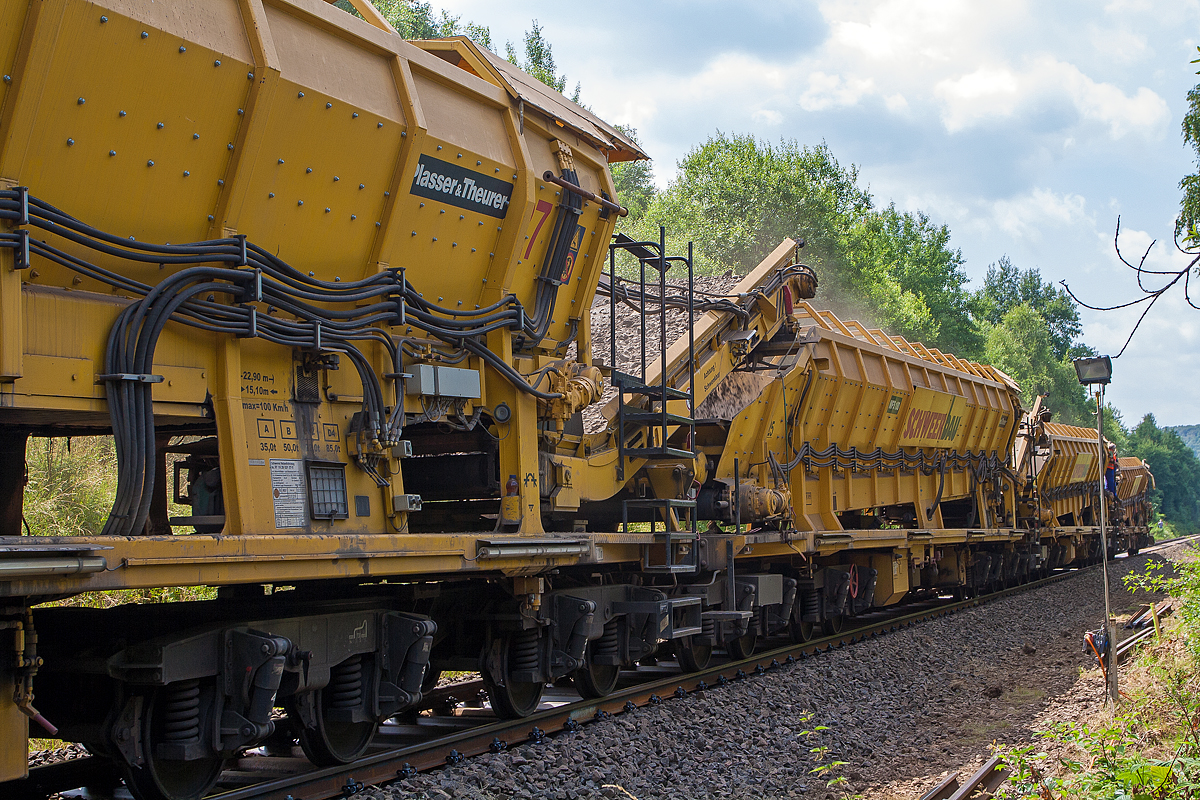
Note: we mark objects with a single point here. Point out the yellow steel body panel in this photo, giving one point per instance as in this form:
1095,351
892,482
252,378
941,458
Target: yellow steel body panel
853,391
1068,475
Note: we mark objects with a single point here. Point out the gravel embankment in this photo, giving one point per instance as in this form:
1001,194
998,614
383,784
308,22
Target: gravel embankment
900,710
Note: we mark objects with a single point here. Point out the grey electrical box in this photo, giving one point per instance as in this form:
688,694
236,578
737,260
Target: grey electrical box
406,502
768,588
402,450
443,382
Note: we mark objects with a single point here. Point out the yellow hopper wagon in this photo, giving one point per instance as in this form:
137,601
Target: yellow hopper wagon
330,292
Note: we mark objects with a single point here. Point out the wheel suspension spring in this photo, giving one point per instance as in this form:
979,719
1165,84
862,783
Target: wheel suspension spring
810,604
708,627
181,712
525,650
346,683
609,643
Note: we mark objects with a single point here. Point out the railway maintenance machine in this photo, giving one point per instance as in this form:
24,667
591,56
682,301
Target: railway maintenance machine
330,292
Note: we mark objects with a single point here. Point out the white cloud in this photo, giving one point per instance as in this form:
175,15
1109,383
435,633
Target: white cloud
829,91
1031,214
972,98
767,116
990,92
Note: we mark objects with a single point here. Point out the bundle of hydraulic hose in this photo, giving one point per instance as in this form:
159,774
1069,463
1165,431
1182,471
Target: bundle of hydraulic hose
219,286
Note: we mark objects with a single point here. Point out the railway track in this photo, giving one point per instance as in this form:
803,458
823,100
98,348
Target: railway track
457,722
994,772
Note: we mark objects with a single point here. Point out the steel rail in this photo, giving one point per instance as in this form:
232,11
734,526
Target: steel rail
498,735
502,734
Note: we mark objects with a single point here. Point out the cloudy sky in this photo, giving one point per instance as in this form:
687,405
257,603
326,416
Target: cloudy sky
1027,127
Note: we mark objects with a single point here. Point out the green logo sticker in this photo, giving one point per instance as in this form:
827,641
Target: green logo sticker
894,404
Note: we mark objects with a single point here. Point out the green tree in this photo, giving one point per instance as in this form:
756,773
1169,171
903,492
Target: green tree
1020,345
634,181
737,197
1187,224
413,19
903,264
1006,287
539,61
1176,471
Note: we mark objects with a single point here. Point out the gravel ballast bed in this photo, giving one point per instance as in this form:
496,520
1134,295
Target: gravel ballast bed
922,700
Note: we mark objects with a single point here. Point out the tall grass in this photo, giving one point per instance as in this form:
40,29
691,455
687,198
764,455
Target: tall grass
71,485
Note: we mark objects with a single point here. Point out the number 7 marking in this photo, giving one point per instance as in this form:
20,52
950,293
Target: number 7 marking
545,208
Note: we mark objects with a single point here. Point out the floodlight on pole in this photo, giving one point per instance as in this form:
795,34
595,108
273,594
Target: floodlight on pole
1098,372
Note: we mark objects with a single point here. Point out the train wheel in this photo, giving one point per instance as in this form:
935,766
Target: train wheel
175,715
743,646
514,699
692,657
594,680
801,631
332,741
834,624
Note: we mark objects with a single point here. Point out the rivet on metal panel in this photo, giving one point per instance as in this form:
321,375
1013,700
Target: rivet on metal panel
195,136
362,186
281,161
480,222
387,194
250,75
160,126
514,176
270,194
336,179
8,78
435,238
443,211
454,244
186,173
144,34
329,105
460,216
377,224
439,147
182,49
149,163
379,125
80,101
354,115
217,63
337,278
460,155
403,134
326,209
478,163
299,202
414,233
70,142
440,298
210,217
103,20
422,205
112,152
299,95
308,171
220,181
353,217
240,112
